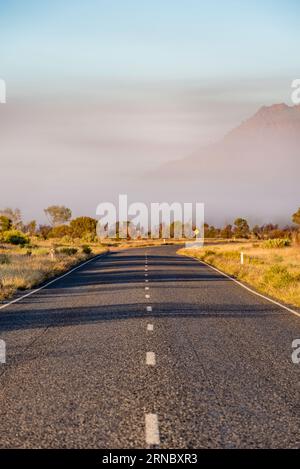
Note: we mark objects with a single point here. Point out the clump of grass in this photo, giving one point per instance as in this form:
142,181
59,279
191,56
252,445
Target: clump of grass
277,243
278,276
86,249
67,251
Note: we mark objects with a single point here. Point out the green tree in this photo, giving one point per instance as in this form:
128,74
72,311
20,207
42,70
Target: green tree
30,228
210,231
241,229
58,214
14,215
44,231
83,226
5,223
257,231
226,232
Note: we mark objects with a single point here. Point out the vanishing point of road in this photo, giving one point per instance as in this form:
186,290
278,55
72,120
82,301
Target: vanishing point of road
145,348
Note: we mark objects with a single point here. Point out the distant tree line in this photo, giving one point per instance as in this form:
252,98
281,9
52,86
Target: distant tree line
61,225
12,228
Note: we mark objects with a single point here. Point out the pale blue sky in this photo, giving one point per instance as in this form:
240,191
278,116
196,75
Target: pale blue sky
216,40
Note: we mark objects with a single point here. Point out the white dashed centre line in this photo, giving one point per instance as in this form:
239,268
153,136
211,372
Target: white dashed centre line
146,288
146,280
146,275
150,359
151,430
147,296
150,327
149,309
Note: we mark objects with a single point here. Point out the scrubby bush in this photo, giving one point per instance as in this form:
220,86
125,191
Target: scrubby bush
277,243
68,251
86,249
278,276
81,227
59,231
14,237
89,237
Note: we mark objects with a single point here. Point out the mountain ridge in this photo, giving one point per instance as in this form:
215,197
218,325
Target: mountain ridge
257,164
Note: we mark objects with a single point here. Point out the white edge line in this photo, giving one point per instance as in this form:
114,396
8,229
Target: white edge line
249,289
36,290
151,429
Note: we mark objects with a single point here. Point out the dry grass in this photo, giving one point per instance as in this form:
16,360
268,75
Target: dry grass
20,271
275,271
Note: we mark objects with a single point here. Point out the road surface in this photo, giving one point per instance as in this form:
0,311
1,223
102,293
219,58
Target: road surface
144,348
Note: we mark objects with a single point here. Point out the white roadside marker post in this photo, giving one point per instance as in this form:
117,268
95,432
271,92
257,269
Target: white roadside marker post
242,258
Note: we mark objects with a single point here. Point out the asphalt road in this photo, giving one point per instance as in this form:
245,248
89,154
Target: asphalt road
89,364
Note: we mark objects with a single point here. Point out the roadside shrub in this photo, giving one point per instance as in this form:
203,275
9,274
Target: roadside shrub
277,243
278,276
86,249
68,251
15,237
